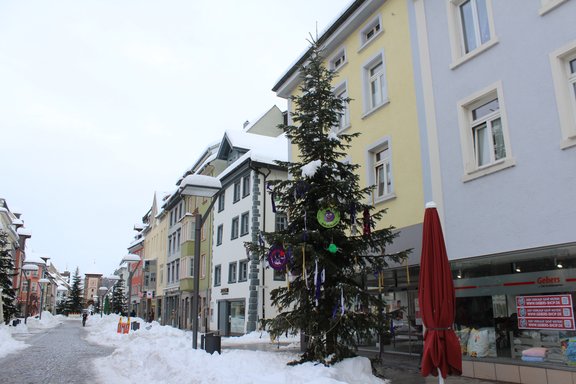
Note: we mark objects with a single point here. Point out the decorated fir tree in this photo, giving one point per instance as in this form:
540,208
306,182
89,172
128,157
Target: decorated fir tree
6,274
330,247
75,300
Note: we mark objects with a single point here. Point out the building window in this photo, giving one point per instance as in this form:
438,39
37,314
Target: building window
370,31
243,272
375,87
471,28
234,228
246,185
236,191
217,275
203,266
338,60
379,161
281,222
219,234
341,92
232,272
383,171
244,224
279,275
563,65
221,202
191,262
177,270
482,122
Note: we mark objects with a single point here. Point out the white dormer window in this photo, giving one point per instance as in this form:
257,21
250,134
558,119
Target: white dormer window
370,31
338,60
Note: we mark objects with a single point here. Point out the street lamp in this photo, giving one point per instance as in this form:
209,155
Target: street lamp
43,281
129,259
204,186
102,291
28,268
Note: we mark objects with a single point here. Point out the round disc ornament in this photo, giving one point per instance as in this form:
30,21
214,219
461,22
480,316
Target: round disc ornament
328,217
277,258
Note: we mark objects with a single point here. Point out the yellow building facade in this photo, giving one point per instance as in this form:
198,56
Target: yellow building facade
369,48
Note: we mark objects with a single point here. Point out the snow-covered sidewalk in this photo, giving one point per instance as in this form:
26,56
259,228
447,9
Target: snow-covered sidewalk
163,355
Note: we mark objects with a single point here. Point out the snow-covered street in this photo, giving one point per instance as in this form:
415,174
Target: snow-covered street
162,354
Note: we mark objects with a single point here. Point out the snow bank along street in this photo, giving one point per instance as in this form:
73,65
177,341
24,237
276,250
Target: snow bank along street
161,354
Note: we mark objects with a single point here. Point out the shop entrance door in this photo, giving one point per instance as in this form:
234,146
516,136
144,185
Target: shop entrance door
405,324
224,318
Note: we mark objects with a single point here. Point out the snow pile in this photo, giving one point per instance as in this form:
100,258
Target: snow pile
162,354
309,170
48,321
7,343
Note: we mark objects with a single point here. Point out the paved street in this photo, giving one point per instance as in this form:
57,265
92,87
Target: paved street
55,356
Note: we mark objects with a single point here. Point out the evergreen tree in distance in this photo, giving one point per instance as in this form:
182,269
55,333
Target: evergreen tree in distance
6,274
75,300
118,304
330,246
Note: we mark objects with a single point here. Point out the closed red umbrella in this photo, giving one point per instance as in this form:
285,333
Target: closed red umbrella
437,302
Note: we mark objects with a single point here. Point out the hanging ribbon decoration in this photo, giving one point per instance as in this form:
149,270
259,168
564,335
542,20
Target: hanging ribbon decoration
367,222
341,301
272,197
304,272
380,281
316,285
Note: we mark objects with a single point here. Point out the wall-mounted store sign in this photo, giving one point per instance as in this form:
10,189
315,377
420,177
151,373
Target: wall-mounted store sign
545,312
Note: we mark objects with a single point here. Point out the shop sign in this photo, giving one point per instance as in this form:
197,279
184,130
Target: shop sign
545,312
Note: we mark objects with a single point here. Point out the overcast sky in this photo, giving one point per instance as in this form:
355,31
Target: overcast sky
104,102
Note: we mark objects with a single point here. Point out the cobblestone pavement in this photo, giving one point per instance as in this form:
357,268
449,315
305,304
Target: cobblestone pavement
55,356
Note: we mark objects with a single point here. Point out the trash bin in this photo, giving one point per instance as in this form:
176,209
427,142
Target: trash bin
135,326
211,343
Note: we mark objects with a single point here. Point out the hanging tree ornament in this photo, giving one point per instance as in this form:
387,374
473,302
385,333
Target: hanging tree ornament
328,217
277,258
332,248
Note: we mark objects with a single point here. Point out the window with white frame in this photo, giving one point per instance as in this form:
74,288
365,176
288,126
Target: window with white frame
217,275
221,200
219,234
375,87
281,222
379,161
243,270
236,191
383,171
486,145
246,185
370,31
235,224
232,272
471,28
341,92
563,65
338,60
203,265
244,224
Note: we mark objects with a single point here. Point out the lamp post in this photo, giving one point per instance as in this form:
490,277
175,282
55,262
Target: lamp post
102,291
27,268
203,186
114,279
129,259
43,281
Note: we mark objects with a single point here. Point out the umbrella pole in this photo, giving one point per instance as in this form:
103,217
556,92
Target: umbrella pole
440,378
